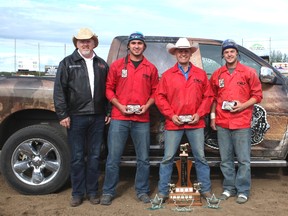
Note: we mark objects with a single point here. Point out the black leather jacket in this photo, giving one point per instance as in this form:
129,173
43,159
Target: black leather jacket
72,94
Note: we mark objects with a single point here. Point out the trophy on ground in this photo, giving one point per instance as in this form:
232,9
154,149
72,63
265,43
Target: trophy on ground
184,193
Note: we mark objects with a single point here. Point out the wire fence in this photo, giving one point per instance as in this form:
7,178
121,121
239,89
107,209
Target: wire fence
39,55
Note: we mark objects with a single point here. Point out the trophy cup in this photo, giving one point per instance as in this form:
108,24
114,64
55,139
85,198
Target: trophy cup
184,194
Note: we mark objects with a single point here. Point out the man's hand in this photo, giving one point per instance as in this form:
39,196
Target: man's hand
65,122
107,119
213,124
176,120
124,110
242,106
195,119
142,110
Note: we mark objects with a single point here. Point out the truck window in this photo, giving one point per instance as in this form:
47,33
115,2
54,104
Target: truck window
244,59
158,55
212,59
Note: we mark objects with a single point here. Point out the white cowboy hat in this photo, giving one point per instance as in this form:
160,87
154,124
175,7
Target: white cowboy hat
84,34
182,43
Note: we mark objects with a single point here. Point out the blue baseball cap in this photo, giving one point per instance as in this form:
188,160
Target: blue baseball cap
136,36
229,44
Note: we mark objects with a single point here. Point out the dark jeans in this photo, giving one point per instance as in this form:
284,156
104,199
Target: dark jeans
85,137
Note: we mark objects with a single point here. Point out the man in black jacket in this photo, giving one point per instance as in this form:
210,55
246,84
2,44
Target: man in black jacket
81,106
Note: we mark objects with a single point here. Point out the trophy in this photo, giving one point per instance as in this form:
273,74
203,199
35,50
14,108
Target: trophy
184,194
213,202
156,203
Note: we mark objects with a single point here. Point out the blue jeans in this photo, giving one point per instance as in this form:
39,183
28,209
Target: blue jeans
117,137
85,137
235,143
172,141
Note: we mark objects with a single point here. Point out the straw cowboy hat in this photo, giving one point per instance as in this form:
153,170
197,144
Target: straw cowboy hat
84,34
182,43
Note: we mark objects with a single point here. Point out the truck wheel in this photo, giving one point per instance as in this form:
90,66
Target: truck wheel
36,160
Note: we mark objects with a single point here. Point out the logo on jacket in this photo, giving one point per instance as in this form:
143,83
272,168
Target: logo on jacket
74,66
102,66
241,83
146,76
197,81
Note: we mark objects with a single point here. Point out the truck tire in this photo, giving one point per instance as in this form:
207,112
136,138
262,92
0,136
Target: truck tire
36,160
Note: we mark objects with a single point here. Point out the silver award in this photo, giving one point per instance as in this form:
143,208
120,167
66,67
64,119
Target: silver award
185,118
156,202
133,108
213,202
228,105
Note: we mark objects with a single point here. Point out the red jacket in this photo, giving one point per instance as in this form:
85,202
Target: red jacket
136,89
176,95
241,85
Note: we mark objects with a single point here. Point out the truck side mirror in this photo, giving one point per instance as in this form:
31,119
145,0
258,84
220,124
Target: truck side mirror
267,75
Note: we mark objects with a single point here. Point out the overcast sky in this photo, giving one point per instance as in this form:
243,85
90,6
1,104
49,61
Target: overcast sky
52,23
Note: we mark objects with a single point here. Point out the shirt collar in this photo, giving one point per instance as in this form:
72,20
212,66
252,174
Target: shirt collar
182,70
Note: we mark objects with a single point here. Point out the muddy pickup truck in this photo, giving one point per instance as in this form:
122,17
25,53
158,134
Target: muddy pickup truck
35,155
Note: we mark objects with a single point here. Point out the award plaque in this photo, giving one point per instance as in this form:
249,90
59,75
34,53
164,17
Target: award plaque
133,108
184,193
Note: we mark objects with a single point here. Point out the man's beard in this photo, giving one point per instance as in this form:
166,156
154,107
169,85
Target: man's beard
86,52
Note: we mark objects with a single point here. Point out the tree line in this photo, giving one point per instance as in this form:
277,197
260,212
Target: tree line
277,56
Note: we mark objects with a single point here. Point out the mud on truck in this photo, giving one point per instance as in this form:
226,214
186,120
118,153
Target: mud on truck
35,155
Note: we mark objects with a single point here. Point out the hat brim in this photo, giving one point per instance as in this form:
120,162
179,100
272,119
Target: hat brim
94,37
171,48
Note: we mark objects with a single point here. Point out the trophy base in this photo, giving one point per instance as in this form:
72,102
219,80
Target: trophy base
184,196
